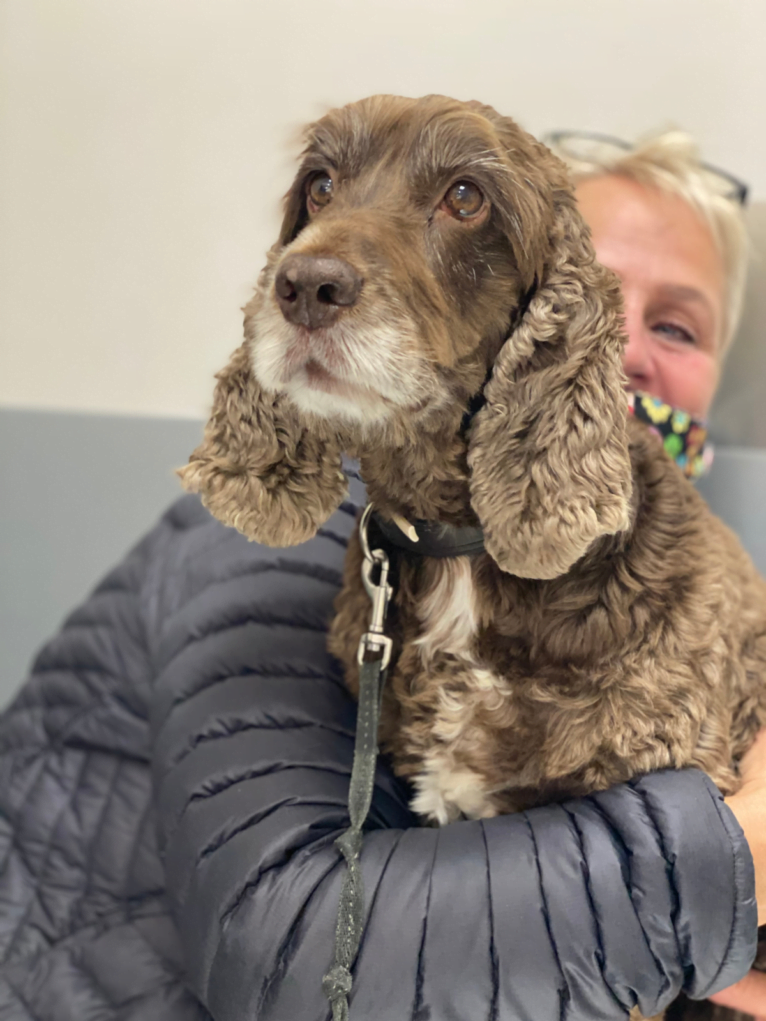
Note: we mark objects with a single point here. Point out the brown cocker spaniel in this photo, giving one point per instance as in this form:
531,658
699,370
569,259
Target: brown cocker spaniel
432,260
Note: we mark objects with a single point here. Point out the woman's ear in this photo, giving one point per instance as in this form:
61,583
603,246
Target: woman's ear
550,470
260,468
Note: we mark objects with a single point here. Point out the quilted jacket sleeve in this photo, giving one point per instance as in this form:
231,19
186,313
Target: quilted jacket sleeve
85,926
576,911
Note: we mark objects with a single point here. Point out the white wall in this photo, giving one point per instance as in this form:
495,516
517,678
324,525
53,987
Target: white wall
143,149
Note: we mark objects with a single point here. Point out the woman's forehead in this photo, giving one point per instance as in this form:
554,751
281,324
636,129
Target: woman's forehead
648,234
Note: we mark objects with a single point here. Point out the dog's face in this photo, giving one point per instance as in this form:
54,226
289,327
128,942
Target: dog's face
428,247
412,233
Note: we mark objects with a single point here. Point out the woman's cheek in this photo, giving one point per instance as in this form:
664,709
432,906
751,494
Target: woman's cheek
689,380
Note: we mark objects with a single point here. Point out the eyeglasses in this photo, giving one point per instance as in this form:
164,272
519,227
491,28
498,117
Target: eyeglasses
590,147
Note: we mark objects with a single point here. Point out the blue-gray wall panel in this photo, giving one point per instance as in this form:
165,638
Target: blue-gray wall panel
76,491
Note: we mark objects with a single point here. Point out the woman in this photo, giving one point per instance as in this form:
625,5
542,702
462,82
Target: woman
673,231
205,656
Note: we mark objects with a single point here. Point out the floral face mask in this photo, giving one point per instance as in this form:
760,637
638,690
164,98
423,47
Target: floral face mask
682,436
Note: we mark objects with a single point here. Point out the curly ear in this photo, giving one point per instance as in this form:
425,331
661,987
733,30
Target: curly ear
259,468
548,451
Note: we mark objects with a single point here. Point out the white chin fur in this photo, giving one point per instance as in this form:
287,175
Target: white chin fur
367,408
371,359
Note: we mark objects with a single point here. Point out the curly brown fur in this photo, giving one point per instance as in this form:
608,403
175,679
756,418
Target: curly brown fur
613,626
259,467
548,454
648,653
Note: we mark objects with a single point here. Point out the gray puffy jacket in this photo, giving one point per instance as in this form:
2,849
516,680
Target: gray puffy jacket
175,771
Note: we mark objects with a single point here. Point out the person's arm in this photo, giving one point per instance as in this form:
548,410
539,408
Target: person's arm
591,903
576,907
573,911
85,927
749,806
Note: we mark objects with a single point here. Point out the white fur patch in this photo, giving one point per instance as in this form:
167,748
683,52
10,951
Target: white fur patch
377,363
445,792
448,612
365,360
448,789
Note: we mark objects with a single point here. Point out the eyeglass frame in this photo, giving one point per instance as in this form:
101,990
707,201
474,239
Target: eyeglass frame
740,189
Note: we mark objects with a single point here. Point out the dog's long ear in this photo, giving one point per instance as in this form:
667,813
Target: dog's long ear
548,452
259,468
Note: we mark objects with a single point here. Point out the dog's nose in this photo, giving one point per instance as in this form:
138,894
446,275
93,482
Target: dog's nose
312,289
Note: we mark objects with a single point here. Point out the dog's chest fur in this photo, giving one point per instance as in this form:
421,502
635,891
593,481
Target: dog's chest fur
505,693
448,786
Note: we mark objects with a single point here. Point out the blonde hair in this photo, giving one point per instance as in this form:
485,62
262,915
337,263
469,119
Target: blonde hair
670,161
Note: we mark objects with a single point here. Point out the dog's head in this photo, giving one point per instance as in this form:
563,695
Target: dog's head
427,244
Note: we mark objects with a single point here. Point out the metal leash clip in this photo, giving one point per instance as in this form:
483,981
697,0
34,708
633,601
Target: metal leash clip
374,641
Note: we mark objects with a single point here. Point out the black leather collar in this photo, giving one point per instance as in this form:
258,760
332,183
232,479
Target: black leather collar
434,538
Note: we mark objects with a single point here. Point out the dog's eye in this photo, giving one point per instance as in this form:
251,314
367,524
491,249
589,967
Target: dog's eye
319,190
463,200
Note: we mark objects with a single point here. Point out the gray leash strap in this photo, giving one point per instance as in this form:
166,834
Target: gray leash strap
348,928
373,656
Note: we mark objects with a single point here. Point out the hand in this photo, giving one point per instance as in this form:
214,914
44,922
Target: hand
747,995
749,806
